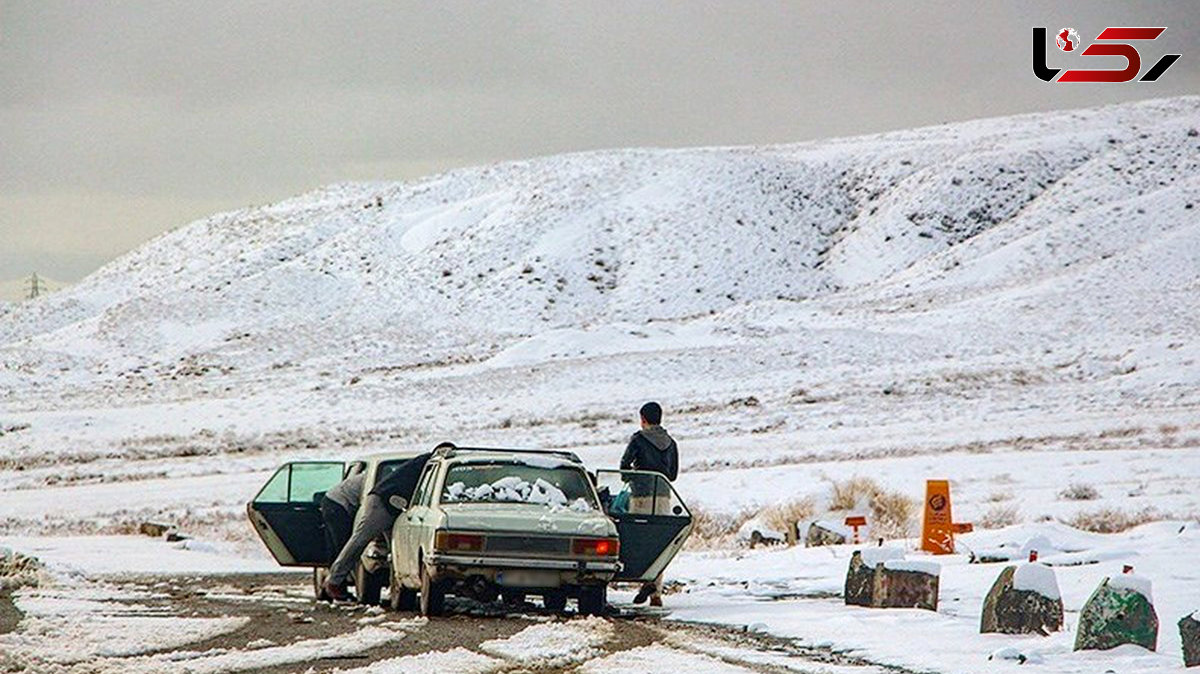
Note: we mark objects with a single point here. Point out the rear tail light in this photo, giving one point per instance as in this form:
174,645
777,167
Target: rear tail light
446,541
596,547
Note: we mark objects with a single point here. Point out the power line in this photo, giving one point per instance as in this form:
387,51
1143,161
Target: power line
36,286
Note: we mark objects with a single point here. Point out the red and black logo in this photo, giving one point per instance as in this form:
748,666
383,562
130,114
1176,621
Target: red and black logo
1110,42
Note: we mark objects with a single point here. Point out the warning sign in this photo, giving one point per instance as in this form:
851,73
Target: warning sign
937,534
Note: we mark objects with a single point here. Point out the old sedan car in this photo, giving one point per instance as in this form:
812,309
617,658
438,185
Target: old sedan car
484,523
287,517
488,522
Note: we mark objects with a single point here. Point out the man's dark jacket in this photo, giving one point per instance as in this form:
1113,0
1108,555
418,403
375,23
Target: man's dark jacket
402,482
652,449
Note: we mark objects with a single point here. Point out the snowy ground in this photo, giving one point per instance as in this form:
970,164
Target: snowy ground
1011,304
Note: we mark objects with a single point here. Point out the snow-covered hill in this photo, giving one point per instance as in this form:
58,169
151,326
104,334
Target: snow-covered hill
1023,283
465,262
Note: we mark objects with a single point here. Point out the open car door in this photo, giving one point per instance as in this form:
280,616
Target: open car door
286,513
652,521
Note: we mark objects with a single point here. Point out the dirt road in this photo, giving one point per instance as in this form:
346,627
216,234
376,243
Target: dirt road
277,628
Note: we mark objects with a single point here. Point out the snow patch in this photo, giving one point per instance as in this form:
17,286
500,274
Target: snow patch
1037,578
553,645
1134,582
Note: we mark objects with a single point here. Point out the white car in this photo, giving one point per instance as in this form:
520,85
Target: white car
484,523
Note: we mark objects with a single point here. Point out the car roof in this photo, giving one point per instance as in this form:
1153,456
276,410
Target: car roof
464,454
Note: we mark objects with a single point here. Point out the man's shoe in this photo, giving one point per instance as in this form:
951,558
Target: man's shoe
644,593
656,601
336,592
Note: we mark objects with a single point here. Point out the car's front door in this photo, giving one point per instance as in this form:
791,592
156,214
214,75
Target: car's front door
286,513
415,523
652,521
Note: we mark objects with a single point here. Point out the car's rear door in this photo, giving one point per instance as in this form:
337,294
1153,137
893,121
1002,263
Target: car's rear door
286,512
652,521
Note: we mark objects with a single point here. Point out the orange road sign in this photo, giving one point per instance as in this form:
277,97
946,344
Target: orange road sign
937,533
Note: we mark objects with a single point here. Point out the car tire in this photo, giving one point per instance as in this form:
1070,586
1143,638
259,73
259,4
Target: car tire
433,595
367,586
555,601
401,598
593,599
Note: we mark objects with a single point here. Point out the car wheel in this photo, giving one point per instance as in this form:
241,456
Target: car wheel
593,599
433,595
555,601
368,586
319,576
401,598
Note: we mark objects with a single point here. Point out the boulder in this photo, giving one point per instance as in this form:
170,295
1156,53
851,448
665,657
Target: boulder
825,533
903,583
1120,611
860,581
1023,600
154,529
882,578
1189,634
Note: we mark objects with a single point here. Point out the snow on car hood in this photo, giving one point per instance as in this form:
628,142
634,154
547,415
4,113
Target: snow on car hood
527,518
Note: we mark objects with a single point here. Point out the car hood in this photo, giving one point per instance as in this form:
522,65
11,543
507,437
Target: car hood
527,518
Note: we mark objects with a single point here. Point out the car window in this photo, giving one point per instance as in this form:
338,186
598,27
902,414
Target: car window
300,482
311,479
638,493
386,468
518,482
425,486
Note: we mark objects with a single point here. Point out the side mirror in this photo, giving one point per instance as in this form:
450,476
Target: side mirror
398,502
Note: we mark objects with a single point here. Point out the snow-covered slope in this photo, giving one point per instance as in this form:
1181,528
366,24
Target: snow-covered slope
468,260
1017,283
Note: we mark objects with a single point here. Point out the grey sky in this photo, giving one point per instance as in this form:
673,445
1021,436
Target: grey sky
121,120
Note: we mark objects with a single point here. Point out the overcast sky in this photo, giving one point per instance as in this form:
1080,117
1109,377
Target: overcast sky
121,120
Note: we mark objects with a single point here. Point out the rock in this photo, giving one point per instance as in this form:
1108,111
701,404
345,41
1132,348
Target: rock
881,578
860,581
173,536
1010,610
154,529
824,533
1189,634
1118,612
906,584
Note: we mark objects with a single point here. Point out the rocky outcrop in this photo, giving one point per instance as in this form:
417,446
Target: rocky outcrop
1032,606
824,533
1189,634
1120,611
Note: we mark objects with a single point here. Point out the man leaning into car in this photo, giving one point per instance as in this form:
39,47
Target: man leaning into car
380,509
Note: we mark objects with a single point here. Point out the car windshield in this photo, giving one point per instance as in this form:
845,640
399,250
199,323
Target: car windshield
563,486
386,468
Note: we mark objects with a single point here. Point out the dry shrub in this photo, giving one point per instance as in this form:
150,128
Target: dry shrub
892,513
1113,520
1079,491
998,496
17,570
784,516
712,530
1000,516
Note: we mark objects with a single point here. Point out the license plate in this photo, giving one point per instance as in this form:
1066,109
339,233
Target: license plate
527,578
